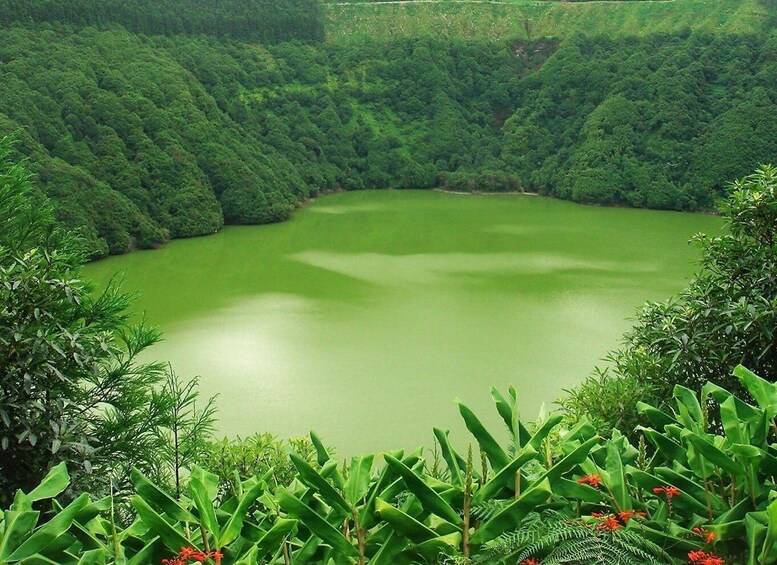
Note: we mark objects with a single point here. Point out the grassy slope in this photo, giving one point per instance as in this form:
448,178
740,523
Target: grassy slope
356,22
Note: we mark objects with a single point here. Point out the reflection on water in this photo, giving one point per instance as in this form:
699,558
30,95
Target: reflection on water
368,313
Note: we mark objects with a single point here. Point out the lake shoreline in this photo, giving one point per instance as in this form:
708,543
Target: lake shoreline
303,204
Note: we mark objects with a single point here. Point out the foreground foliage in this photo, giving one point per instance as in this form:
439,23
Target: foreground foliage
552,494
726,316
71,385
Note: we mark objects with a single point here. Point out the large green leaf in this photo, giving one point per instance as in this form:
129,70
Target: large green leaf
92,557
55,481
275,536
669,449
510,517
314,522
209,480
159,498
251,557
385,477
496,455
358,479
712,453
432,549
172,538
508,410
403,523
450,456
505,478
389,549
691,493
144,556
656,417
769,550
764,392
235,524
50,531
544,430
576,491
205,508
17,526
617,477
568,462
756,533
690,410
430,500
322,457
307,551
736,416
324,488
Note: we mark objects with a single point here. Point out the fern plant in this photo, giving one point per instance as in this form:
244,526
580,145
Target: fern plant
556,539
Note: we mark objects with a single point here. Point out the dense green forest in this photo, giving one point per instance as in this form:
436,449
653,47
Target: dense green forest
141,138
265,21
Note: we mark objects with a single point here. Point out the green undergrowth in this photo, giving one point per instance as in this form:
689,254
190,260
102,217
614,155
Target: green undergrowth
524,20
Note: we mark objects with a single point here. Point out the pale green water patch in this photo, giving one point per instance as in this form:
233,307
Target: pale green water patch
367,313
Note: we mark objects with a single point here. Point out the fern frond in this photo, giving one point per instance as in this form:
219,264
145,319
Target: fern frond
557,539
489,508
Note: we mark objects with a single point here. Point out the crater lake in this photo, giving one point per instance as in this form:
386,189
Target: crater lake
367,313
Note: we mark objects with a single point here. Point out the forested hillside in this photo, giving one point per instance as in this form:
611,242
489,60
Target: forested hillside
360,20
267,21
661,122
177,125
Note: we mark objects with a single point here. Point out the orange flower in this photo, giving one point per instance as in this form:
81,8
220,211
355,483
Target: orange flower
709,537
529,561
704,558
609,523
592,480
626,515
669,491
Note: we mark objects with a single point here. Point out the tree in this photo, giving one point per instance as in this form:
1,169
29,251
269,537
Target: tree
71,386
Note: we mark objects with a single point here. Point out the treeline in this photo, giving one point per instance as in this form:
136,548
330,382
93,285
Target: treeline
659,122
142,138
266,21
129,145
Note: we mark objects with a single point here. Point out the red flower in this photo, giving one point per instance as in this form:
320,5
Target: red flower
598,514
609,523
187,554
529,561
709,537
704,558
669,491
626,515
592,480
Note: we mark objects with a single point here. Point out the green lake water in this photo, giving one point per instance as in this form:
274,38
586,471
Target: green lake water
365,315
